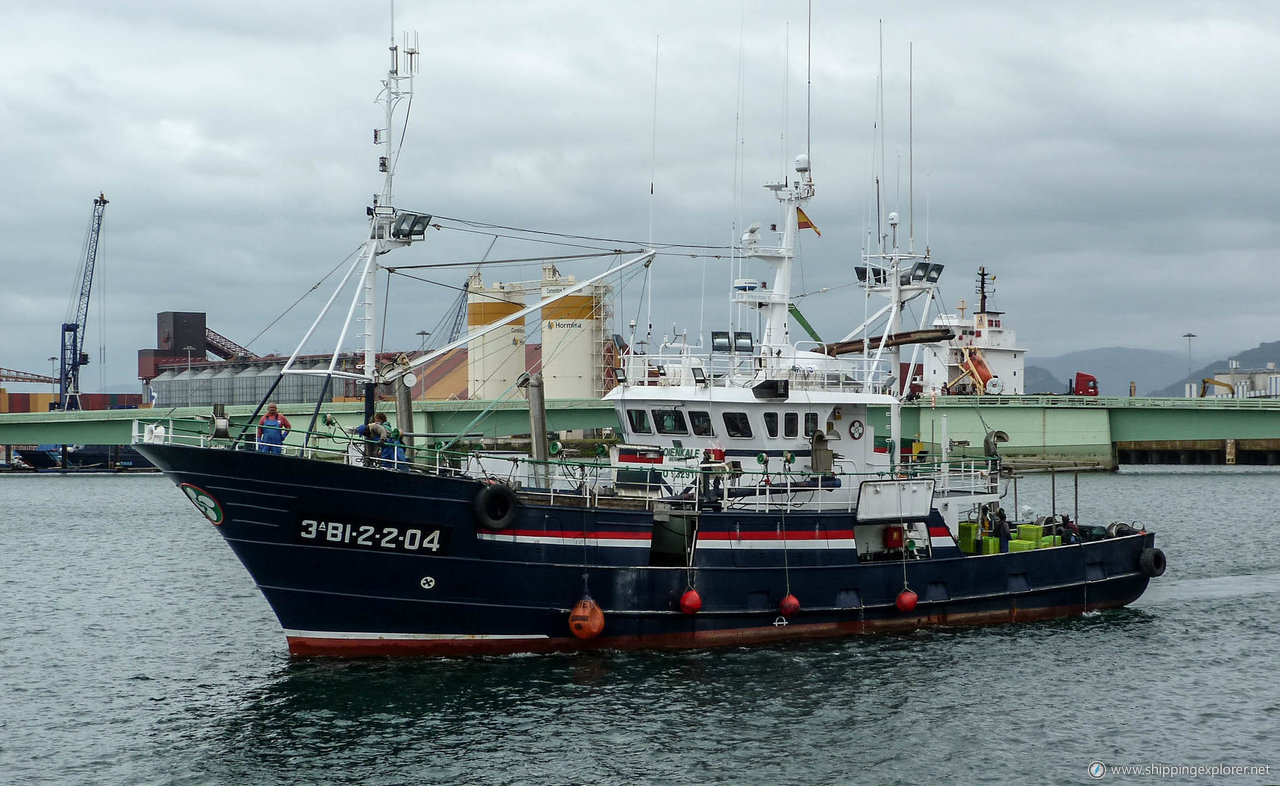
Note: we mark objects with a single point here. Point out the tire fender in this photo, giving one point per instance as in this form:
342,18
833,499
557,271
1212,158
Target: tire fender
495,506
1152,562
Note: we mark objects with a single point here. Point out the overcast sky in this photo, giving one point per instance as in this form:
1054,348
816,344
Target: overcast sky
1114,164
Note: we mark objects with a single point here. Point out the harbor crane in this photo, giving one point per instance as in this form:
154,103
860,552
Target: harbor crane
73,354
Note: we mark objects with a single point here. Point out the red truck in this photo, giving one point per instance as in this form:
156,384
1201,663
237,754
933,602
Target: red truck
1083,385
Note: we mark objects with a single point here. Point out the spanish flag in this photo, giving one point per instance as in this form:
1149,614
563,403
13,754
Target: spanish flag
803,222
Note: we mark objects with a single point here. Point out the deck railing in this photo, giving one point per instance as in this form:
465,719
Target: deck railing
597,483
675,366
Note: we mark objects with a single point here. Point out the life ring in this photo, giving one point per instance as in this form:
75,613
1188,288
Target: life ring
495,506
1152,562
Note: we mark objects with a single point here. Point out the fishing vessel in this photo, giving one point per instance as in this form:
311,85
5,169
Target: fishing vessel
760,492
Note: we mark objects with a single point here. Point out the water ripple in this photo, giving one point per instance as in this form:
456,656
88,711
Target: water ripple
134,650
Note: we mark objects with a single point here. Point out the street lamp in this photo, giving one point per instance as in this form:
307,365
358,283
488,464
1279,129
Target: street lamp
189,385
1188,337
53,372
425,334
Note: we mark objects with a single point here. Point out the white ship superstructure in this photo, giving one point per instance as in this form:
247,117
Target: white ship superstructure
982,357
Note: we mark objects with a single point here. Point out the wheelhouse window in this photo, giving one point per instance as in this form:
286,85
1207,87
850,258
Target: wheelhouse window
638,421
810,424
701,423
771,424
737,424
790,424
669,421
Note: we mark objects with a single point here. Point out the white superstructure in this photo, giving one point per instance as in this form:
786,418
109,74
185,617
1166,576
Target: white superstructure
783,418
983,357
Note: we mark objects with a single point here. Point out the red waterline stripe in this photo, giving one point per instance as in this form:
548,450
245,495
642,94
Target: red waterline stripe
366,648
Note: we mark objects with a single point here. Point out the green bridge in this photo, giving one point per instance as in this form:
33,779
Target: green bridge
1101,431
1106,431
115,426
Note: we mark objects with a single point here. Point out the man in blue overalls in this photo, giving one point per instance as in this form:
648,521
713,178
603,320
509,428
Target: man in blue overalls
272,429
393,451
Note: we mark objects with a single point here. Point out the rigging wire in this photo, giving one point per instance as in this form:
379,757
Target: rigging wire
517,261
386,306
488,227
295,303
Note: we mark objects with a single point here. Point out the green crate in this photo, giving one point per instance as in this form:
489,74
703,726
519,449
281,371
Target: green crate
1031,532
967,546
968,530
990,545
1049,541
1021,545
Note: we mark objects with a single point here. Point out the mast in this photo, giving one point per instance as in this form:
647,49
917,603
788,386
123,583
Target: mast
388,229
774,305
895,357
397,87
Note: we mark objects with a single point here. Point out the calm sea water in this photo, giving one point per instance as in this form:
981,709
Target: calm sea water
134,649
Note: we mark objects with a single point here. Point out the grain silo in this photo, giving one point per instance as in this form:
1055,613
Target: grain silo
573,337
496,360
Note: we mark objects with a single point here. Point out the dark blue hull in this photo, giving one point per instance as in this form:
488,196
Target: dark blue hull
359,561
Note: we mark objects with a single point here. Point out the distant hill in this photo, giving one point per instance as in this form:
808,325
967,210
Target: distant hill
1255,358
1115,368
1041,380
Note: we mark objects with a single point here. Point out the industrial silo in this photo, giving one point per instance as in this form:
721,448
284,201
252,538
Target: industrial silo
494,361
572,338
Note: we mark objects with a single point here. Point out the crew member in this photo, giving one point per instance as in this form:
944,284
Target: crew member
393,451
375,432
273,427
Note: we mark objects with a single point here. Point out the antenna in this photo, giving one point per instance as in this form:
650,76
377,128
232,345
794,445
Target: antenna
786,99
396,87
880,101
653,141
808,95
653,159
911,169
739,143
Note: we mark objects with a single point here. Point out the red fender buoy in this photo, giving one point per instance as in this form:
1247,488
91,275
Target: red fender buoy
586,620
691,602
907,601
790,606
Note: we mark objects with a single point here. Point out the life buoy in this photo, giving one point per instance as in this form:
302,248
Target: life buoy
1152,562
495,506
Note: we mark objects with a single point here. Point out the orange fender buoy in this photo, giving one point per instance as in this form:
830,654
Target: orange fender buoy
907,601
691,602
790,606
586,620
